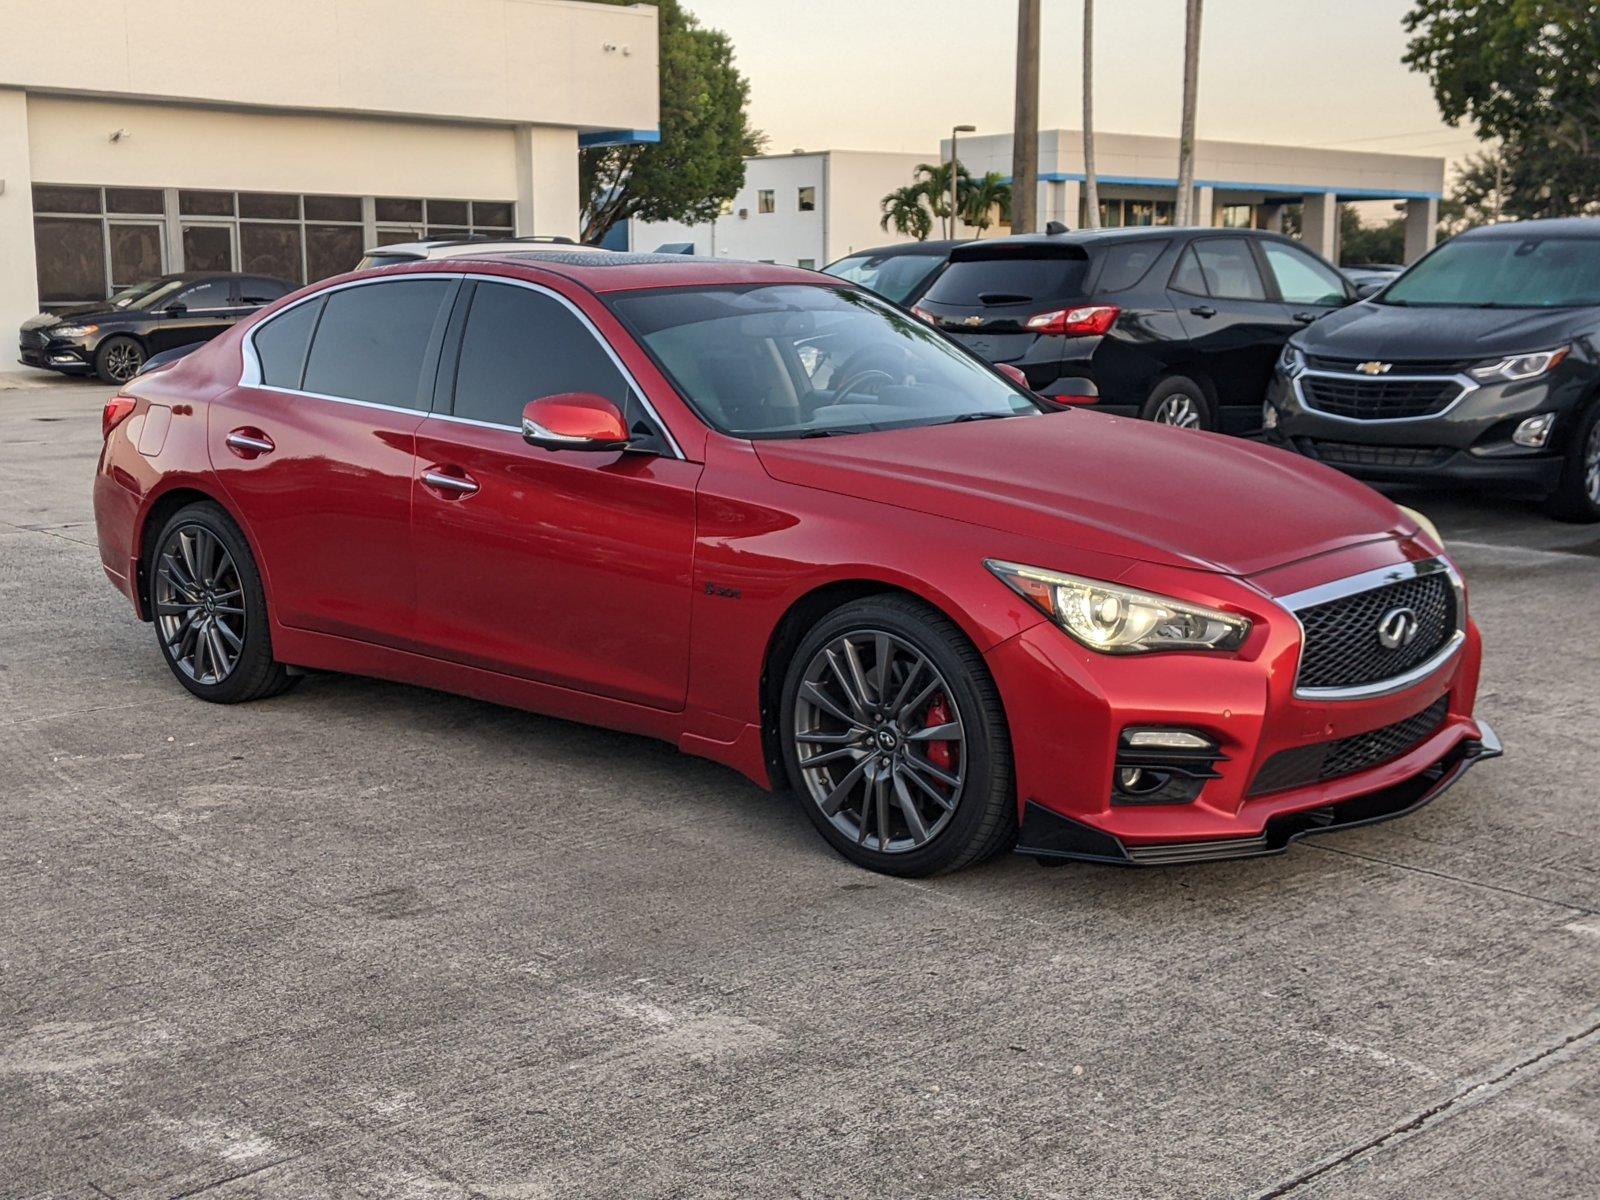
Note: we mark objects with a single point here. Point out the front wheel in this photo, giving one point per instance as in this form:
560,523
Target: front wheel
1180,401
118,359
895,740
210,609
1577,496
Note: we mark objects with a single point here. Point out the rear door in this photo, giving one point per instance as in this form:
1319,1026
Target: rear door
315,449
985,297
1234,322
570,567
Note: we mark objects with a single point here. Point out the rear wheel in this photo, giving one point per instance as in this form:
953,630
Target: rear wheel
210,609
895,740
1180,401
118,359
1577,496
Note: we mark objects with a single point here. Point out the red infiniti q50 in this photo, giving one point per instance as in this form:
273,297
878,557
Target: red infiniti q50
781,523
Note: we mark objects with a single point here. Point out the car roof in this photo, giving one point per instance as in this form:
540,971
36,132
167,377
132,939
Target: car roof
1129,233
620,271
1544,227
906,248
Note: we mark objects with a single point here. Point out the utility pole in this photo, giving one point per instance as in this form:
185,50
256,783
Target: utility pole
1184,213
1091,187
955,173
1025,134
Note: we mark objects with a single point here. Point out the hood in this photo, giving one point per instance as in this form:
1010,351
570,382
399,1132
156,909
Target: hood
1103,484
90,316
1400,334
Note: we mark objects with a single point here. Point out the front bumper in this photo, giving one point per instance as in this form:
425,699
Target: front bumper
1048,835
55,356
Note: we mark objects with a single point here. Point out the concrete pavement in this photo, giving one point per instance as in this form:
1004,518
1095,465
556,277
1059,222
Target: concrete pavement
365,940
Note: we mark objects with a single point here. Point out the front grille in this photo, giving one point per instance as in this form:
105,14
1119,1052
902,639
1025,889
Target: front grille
1380,398
32,339
1341,647
1350,454
1421,366
1306,765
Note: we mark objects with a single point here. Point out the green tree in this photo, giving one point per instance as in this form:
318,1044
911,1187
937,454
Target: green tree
905,210
1473,199
705,135
983,199
1358,243
934,179
1527,74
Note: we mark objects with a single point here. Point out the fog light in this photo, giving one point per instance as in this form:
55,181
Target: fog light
1168,739
1269,416
1157,765
1535,431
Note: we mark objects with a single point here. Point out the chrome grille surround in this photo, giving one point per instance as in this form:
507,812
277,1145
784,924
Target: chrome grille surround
1376,385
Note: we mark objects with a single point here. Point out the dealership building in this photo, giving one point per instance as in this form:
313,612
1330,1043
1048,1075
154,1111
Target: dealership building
810,208
285,138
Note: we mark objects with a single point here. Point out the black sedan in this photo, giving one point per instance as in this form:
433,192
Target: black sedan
1180,326
161,314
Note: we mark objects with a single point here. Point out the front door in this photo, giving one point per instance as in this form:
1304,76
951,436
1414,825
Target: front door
570,567
316,451
1234,324
197,313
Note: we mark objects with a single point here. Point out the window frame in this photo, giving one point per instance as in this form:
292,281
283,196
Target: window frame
445,349
1269,283
766,201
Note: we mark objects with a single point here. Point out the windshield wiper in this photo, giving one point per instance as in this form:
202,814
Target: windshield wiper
978,416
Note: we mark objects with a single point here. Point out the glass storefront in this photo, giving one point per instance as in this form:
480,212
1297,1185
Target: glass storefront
92,241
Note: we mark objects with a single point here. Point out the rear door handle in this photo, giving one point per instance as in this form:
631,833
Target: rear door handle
450,486
1203,310
248,443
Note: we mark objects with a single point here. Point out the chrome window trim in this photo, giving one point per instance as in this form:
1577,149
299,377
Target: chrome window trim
250,375
1367,581
1467,383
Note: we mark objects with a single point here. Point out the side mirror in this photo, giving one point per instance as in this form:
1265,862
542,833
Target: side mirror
177,308
1015,375
1073,393
1371,288
574,421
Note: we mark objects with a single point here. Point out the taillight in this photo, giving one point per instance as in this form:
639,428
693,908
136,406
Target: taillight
1088,321
117,410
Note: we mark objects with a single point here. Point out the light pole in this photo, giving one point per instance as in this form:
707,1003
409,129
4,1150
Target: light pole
955,166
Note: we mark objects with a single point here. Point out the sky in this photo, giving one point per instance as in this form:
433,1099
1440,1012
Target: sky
897,74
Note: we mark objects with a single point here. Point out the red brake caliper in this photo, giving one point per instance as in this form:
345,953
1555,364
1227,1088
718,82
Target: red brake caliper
940,754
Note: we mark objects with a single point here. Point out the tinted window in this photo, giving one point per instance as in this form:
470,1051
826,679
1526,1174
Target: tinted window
372,341
998,277
1504,272
1126,264
1229,269
281,344
893,275
261,291
213,293
1301,278
1187,278
520,345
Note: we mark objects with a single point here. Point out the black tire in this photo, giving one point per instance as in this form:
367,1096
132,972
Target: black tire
254,674
1167,399
118,359
982,818
1577,496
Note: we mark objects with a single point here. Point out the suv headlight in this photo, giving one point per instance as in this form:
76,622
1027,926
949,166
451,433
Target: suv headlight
1118,620
1519,366
1292,361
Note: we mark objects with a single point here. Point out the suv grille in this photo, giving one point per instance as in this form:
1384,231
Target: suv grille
1381,398
1341,636
1306,765
1350,454
1420,366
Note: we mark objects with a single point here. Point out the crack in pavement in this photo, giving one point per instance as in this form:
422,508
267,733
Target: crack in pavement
1478,883
1466,1098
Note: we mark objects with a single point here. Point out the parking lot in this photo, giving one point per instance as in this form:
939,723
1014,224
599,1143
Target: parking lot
367,940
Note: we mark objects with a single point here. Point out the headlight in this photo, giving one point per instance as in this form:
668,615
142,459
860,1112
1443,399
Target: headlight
71,331
1427,526
1292,361
1118,620
1520,366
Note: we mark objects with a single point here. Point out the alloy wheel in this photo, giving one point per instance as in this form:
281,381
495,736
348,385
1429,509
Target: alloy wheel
1178,409
1591,463
199,602
123,361
881,745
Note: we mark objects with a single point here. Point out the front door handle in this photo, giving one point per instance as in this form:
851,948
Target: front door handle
1203,310
249,443
449,486
1305,318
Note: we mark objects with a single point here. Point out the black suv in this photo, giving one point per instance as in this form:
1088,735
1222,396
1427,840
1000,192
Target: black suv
1175,325
149,318
1480,366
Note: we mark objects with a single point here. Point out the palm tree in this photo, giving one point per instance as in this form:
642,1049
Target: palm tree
983,198
1191,84
904,209
934,180
1091,186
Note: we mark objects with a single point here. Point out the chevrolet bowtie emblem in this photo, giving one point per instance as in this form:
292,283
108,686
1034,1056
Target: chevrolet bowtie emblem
1374,368
973,321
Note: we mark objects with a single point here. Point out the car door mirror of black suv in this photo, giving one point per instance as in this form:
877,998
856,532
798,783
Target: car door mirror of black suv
1370,288
176,309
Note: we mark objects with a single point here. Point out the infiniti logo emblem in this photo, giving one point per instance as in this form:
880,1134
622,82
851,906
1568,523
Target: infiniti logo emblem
1397,629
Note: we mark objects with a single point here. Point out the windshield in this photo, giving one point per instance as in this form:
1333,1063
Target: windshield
894,276
791,360
1503,272
1012,275
139,294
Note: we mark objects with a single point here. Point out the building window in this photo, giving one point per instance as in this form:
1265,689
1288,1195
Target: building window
1238,216
808,199
401,220
90,242
1117,213
764,201
809,264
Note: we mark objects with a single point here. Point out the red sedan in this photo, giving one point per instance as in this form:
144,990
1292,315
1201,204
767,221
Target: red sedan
770,518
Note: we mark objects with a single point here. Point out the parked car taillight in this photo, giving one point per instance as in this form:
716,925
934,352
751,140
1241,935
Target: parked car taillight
117,410
1076,322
